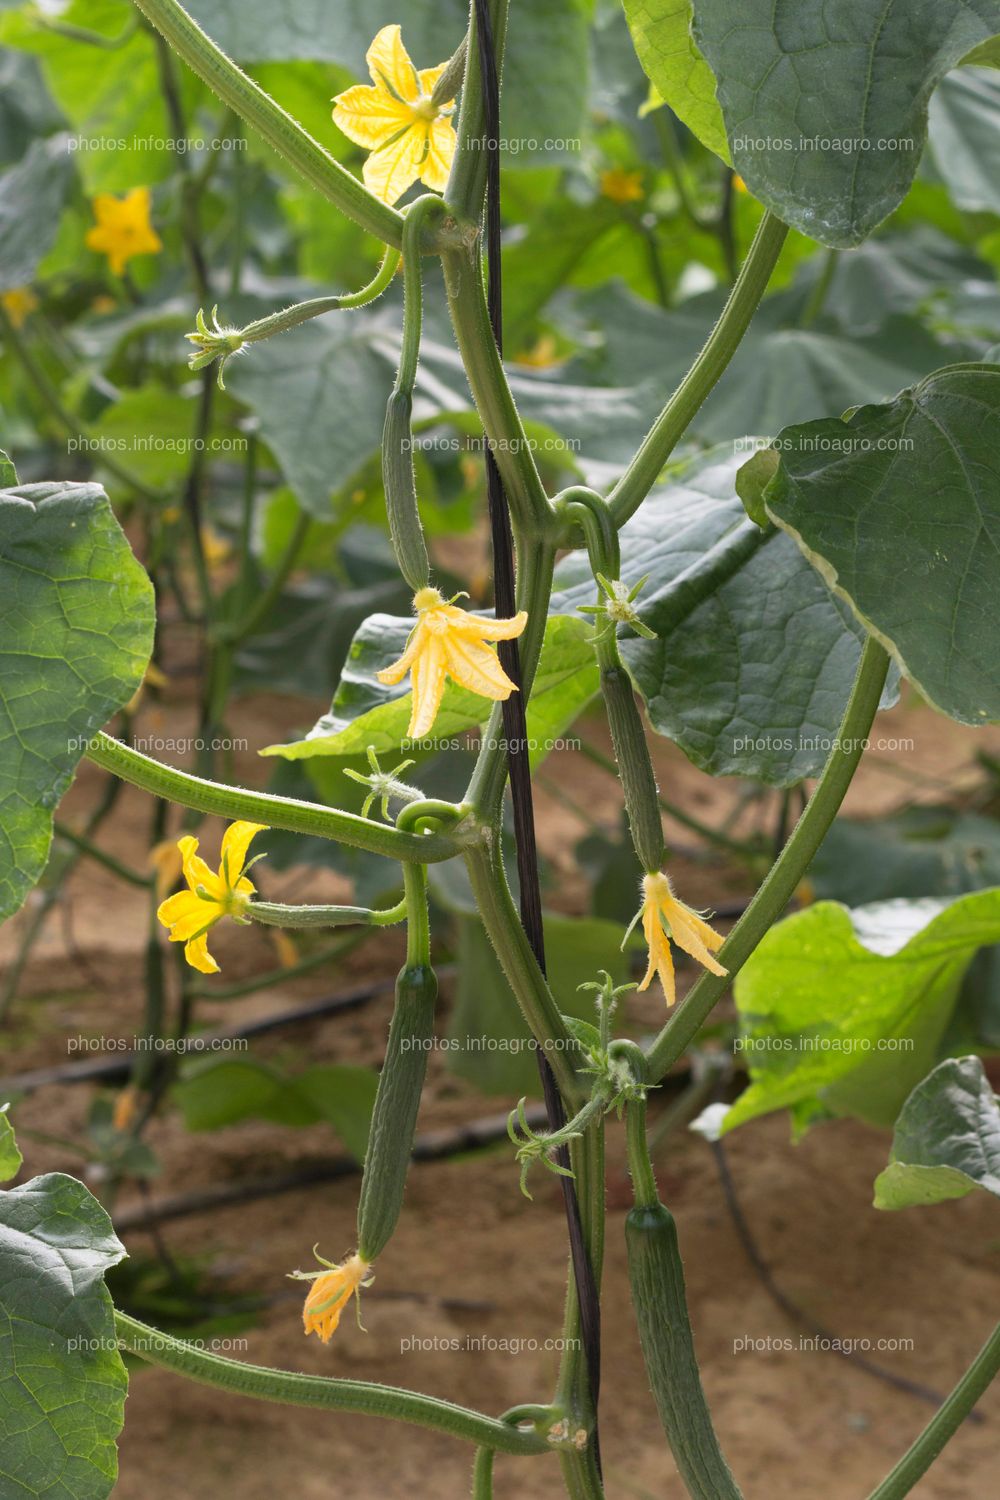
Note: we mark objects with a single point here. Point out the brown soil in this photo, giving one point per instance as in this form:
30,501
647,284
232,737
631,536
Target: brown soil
473,1261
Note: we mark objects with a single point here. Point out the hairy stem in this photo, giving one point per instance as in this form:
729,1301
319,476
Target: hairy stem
944,1424
262,807
644,470
785,874
291,1389
248,100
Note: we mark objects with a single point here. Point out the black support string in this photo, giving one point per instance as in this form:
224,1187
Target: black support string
514,721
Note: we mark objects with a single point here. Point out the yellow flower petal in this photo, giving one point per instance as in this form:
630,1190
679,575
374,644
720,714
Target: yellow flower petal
196,872
477,627
123,228
661,912
329,1295
185,914
477,668
441,144
429,678
391,170
198,956
390,66
235,843
370,117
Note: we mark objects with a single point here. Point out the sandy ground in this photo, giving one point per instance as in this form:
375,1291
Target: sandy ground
473,1263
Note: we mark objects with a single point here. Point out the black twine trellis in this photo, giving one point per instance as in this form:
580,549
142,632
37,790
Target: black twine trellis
513,708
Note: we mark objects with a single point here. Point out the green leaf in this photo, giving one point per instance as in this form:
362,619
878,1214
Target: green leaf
661,31
899,509
946,1142
489,1043
964,121
754,660
857,78
64,1381
224,1091
111,96
8,473
76,631
366,713
10,1156
846,1011
151,432
31,201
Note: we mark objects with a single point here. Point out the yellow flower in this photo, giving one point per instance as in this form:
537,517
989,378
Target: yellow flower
542,355
408,134
215,548
123,228
448,642
330,1293
125,1108
18,303
739,184
664,917
621,186
189,914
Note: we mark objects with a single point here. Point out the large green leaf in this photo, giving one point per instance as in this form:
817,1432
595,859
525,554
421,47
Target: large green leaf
366,713
62,1377
31,201
545,71
489,1042
899,509
76,630
857,77
754,659
661,31
947,1139
10,1156
844,1012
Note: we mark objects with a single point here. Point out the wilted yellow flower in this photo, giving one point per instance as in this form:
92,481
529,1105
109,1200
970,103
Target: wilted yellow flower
123,228
448,642
18,303
665,918
125,1107
408,134
621,186
330,1293
167,863
189,914
285,947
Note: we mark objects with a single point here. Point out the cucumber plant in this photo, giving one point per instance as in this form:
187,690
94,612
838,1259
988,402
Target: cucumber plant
849,546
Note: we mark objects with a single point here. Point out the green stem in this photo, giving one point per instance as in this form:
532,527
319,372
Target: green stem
262,807
99,856
467,183
503,927
534,586
50,397
223,344
787,871
639,1164
644,470
821,286
503,431
482,1475
415,909
259,110
944,1423
289,1389
573,1395
258,612
271,914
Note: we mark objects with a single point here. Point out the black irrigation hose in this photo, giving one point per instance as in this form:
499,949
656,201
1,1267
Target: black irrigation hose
515,728
118,1068
432,1145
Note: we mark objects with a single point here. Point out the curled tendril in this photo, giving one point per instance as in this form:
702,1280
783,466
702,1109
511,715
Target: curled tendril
213,342
532,1147
618,607
384,785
